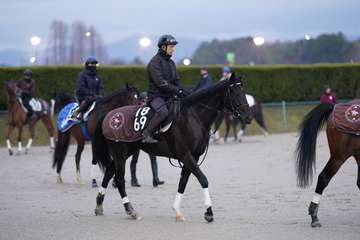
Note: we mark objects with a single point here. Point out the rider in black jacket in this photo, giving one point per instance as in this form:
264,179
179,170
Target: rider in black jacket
164,83
89,86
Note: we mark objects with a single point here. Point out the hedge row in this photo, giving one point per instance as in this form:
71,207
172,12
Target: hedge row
267,82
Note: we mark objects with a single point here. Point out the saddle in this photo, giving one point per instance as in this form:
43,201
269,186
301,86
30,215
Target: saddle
39,106
346,117
66,120
127,123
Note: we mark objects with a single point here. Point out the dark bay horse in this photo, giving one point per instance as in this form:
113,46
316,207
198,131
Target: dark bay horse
342,146
257,114
186,140
118,98
16,118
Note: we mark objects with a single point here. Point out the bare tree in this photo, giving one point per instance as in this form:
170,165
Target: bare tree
57,46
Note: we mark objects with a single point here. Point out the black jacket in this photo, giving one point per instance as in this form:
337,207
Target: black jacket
89,86
205,82
163,79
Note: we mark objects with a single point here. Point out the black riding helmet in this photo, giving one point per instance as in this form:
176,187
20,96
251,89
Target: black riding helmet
166,40
91,60
28,72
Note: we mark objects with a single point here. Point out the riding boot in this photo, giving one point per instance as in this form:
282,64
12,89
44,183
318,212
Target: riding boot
154,168
147,132
134,181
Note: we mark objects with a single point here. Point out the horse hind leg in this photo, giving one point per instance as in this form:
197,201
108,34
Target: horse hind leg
357,158
79,150
109,173
32,133
324,178
19,141
49,127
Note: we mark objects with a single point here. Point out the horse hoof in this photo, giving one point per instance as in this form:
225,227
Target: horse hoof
11,152
78,179
208,215
26,151
94,184
209,218
99,211
316,224
59,180
180,217
134,215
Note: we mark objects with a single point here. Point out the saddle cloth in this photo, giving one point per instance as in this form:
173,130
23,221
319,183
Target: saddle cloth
250,99
346,117
127,123
66,120
39,106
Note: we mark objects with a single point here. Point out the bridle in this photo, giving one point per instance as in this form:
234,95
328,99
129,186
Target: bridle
228,97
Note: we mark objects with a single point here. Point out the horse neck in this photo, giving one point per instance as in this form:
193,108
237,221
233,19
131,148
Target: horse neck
116,101
209,108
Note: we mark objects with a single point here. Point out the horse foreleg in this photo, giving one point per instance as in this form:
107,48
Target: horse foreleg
190,162
324,178
185,174
241,131
9,130
93,173
234,125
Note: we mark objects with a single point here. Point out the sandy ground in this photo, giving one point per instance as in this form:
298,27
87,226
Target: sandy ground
252,185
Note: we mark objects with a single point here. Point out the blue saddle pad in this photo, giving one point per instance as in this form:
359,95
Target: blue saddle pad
65,121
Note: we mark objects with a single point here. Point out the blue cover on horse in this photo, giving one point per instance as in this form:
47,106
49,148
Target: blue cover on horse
346,117
65,121
126,123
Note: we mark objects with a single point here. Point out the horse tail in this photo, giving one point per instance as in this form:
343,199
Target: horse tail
100,147
61,148
306,146
259,115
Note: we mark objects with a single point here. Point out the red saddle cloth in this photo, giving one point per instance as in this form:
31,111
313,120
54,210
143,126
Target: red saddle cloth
346,117
126,123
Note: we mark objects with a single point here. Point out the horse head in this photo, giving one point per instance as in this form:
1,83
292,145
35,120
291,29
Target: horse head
236,100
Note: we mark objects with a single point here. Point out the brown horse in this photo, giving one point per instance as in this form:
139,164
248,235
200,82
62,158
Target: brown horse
342,144
16,118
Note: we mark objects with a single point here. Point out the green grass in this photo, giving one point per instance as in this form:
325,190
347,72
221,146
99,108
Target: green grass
41,135
273,120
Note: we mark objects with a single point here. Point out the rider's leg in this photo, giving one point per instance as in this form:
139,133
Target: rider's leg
159,105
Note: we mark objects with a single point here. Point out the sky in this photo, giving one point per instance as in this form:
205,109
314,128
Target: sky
200,19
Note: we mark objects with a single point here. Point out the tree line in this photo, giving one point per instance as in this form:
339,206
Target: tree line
326,48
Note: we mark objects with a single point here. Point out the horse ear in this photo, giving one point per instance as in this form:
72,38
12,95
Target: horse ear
232,77
127,86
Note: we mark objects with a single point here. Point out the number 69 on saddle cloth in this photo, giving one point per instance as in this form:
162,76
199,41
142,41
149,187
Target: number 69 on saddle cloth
127,123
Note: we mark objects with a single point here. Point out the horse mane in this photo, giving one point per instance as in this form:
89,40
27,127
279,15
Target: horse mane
120,91
205,93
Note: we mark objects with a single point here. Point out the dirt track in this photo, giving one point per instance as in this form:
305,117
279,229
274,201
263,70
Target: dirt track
252,185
